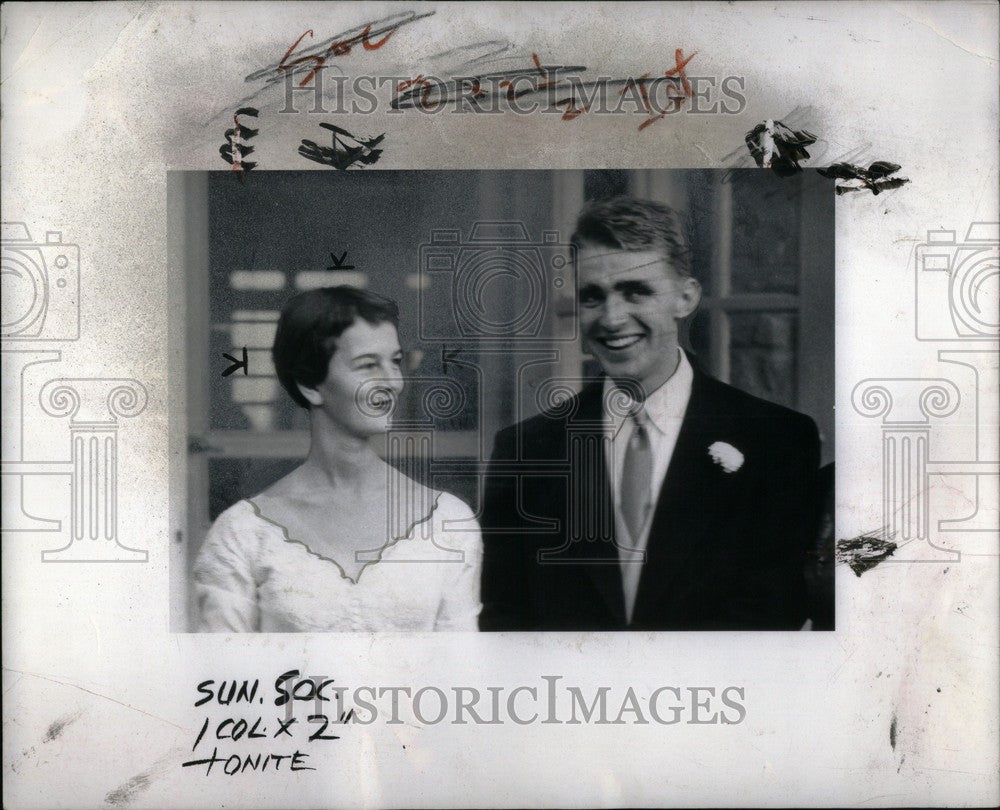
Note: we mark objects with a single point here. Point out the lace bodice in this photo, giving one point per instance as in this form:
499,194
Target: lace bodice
251,577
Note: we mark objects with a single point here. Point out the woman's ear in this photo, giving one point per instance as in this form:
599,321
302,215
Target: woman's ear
688,298
312,396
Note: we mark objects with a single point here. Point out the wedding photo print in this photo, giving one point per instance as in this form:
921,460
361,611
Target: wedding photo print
568,400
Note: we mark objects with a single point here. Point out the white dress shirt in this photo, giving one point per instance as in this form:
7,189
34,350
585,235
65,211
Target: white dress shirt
664,411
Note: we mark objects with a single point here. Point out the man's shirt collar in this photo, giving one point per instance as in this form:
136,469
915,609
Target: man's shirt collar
666,403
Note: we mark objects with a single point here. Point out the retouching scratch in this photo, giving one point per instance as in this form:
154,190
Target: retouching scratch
958,45
701,149
47,49
24,50
118,36
892,732
95,694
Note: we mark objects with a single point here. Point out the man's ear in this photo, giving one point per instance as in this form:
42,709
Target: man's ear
688,298
313,397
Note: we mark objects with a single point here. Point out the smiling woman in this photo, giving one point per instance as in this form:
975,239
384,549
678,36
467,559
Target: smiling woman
315,550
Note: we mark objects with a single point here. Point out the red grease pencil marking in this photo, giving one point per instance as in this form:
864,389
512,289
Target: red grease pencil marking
336,48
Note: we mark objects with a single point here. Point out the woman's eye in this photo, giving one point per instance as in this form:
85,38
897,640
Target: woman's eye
397,361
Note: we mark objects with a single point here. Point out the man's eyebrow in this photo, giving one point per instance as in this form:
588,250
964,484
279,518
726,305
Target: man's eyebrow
631,284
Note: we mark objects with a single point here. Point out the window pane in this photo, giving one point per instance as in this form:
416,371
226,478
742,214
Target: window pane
601,183
765,254
762,354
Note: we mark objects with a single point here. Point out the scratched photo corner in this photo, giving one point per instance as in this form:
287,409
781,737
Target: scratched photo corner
569,400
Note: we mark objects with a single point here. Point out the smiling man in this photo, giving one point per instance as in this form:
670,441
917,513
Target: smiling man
658,498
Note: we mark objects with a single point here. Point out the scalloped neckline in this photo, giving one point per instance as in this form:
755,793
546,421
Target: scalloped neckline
343,573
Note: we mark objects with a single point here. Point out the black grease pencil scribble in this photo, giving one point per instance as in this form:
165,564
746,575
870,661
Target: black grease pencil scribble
875,178
779,148
864,552
236,148
57,727
427,91
310,61
482,91
341,155
126,792
475,54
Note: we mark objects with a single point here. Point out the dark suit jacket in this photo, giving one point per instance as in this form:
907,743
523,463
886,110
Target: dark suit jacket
725,551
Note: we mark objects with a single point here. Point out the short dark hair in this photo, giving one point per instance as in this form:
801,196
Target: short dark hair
626,223
308,329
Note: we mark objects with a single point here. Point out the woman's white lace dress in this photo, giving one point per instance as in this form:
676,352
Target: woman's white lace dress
251,577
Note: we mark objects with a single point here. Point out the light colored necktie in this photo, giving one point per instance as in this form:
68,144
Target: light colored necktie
637,472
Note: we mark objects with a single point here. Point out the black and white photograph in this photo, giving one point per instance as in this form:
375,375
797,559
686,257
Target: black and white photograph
530,401
499,404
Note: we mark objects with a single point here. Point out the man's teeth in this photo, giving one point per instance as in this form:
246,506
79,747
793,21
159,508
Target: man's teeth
621,342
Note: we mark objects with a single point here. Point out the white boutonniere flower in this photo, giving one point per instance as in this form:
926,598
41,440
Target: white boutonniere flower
727,456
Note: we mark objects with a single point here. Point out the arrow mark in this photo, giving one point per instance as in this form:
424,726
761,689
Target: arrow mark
338,264
237,364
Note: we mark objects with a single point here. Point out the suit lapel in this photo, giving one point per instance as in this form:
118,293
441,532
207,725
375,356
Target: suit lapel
681,516
593,510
